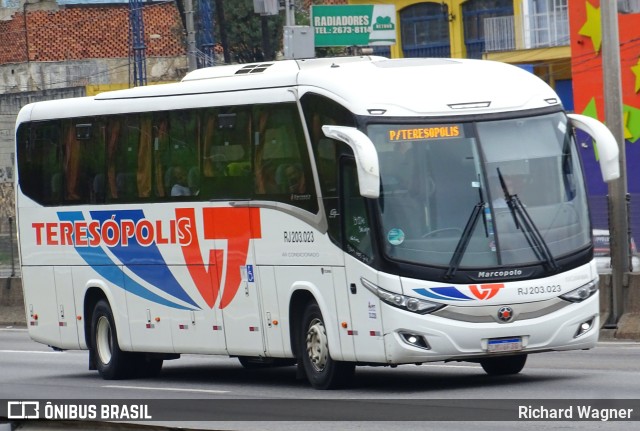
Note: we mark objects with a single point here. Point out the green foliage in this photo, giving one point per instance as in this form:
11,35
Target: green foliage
244,30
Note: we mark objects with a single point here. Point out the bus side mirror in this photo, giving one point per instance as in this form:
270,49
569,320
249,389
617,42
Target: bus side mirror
607,146
366,157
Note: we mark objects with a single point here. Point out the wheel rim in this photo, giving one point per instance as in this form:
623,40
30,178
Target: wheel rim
317,345
104,340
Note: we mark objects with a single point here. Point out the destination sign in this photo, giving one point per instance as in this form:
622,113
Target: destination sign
430,132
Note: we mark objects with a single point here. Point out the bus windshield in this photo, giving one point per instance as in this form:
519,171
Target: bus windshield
480,194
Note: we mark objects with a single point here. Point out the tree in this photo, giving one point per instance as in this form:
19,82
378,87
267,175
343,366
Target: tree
240,31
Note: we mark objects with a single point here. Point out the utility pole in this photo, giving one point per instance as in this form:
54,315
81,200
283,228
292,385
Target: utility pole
290,17
266,44
618,197
136,40
191,36
222,25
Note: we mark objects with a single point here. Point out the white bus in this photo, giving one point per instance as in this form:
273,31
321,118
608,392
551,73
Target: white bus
327,212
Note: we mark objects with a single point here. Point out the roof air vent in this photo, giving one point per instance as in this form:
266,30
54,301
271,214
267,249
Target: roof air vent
253,68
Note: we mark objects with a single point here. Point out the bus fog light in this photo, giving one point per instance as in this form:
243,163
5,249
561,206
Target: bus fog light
584,327
415,340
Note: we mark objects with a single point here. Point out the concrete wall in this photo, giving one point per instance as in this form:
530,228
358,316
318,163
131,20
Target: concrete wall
37,75
629,324
11,302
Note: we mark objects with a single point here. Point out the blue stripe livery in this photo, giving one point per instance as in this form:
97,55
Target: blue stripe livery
156,274
448,293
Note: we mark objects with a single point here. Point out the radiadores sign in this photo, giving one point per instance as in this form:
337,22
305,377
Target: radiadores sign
354,25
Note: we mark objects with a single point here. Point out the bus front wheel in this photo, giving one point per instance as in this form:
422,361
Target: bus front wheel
504,366
110,361
321,370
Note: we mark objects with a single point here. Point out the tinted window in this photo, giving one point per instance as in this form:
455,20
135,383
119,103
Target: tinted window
320,111
282,167
40,161
225,153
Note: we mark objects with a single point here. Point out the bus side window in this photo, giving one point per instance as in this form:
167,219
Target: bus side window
123,134
283,172
357,238
83,161
182,153
318,111
226,154
40,161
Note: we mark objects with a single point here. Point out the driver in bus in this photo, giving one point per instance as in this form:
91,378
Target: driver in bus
499,200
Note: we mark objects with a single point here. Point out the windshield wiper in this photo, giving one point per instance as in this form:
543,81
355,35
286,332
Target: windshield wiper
467,233
523,221
463,242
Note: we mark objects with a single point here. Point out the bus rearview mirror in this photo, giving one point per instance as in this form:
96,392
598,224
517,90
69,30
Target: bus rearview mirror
607,146
365,154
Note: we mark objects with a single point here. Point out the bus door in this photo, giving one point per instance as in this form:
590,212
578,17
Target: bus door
66,307
194,273
223,313
239,297
149,310
365,306
199,329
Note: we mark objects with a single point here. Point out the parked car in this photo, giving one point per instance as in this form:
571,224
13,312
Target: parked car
602,252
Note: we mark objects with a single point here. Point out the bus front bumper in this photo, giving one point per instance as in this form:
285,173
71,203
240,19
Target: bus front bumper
413,338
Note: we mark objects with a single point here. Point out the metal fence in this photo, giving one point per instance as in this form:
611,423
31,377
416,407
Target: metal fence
539,30
9,264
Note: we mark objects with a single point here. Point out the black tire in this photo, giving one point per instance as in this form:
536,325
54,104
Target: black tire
111,362
504,365
321,370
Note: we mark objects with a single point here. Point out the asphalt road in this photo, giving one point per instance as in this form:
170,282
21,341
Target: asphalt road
213,388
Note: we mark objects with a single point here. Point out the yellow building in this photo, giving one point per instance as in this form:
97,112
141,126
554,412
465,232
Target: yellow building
531,33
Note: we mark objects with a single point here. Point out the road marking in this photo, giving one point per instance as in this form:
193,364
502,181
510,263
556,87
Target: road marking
619,343
31,351
149,388
449,366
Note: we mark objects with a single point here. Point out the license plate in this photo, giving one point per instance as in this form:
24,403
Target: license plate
504,344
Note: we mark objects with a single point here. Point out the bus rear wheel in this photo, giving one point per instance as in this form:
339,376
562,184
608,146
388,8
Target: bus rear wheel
321,370
111,362
504,366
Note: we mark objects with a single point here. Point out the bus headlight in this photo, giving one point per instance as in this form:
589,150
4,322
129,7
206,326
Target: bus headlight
583,292
408,303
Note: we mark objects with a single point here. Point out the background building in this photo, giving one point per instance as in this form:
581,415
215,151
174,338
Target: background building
533,34
67,48
586,63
